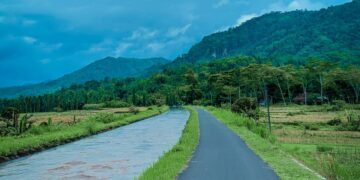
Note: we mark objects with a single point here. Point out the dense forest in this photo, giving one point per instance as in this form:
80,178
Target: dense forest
215,83
331,34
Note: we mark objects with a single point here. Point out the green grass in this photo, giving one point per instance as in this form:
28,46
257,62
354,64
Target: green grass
335,162
175,160
271,153
38,138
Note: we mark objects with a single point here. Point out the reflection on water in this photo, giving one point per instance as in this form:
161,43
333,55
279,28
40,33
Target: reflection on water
122,153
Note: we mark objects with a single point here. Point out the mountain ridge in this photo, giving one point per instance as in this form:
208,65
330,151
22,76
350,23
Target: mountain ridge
330,34
107,67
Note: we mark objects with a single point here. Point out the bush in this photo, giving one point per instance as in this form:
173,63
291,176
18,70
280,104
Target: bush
58,109
311,127
116,104
93,106
334,122
247,106
296,113
133,110
337,105
103,117
324,148
91,127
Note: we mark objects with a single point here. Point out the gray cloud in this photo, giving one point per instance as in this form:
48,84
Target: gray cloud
43,39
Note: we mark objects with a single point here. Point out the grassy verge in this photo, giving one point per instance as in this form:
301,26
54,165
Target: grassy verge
39,138
174,161
271,153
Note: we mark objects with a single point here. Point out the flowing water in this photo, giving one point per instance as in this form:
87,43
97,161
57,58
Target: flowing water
122,153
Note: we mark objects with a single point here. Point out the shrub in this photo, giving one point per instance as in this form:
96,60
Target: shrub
324,148
103,117
93,106
334,122
311,127
247,106
58,109
50,121
91,127
10,114
296,113
337,105
133,110
116,104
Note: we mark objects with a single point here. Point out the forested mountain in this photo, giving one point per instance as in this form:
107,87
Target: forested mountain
215,83
108,67
330,34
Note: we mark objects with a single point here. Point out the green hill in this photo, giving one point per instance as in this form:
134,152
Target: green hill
329,34
108,67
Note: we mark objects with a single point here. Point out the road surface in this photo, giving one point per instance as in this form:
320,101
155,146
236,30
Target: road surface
222,155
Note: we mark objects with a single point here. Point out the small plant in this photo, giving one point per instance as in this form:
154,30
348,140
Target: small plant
296,113
247,106
324,148
133,110
50,121
25,124
11,114
337,105
116,104
334,122
92,106
103,117
58,109
311,127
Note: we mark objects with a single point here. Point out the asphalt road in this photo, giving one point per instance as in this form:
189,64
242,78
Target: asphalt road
222,155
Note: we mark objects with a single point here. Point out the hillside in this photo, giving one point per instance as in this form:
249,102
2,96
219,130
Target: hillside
108,67
330,34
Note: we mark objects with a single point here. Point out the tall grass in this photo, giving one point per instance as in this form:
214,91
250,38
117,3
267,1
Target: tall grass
270,152
41,137
174,161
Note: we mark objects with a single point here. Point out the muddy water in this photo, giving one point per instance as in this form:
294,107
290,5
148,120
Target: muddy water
122,153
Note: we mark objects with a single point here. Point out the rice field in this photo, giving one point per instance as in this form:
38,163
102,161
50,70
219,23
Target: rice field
78,115
304,132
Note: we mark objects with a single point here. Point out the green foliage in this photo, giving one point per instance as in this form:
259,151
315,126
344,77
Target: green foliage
25,124
247,106
334,122
116,104
103,117
353,122
324,148
311,127
58,109
337,105
93,106
133,110
295,113
50,121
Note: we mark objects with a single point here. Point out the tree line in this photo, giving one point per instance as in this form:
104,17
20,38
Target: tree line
216,83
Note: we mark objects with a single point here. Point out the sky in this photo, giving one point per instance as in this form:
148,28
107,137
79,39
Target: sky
41,40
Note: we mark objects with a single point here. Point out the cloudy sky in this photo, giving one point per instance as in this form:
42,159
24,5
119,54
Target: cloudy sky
41,40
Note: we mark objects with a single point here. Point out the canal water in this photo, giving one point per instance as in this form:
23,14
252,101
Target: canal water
122,153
